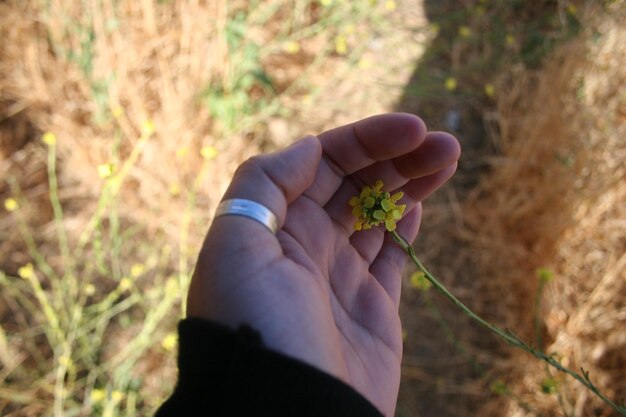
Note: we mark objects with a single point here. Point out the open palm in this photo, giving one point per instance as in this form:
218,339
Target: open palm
317,291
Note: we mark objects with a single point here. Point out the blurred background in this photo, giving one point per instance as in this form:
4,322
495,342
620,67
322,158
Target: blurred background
121,123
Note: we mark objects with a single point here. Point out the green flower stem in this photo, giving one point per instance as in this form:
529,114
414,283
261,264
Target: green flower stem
507,335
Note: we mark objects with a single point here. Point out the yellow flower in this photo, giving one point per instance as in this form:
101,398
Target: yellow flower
172,287
182,152
292,47
208,152
10,204
137,269
450,84
125,284
97,395
27,271
326,3
174,189
419,281
490,90
510,40
117,396
572,9
364,63
90,289
169,342
49,138
341,45
106,170
148,128
390,5
65,361
465,32
375,206
117,112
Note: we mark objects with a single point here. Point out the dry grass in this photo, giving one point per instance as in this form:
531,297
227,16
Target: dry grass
555,198
153,105
229,79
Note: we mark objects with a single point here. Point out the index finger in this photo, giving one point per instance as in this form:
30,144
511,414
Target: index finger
355,146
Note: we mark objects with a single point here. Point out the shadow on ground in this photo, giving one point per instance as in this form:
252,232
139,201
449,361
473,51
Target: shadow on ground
446,370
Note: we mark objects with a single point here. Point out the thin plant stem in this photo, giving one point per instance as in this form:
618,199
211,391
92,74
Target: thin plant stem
507,335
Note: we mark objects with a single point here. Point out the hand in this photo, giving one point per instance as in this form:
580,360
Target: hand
317,291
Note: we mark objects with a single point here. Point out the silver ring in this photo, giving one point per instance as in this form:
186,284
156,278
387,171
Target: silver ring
250,209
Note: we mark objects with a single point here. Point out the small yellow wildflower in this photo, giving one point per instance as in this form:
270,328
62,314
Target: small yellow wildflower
182,152
374,206
292,47
465,32
65,361
148,128
364,63
49,139
117,112
172,287
490,90
435,28
450,84
89,289
341,45
137,270
125,284
326,3
10,204
572,9
509,40
27,271
117,396
419,281
106,170
390,5
97,395
208,152
174,189
169,342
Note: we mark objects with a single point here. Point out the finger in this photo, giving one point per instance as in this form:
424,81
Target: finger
419,189
273,180
368,243
439,150
388,266
355,146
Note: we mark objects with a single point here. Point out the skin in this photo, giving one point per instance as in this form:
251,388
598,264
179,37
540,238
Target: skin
317,291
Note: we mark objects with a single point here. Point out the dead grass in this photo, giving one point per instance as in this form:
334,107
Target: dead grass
555,199
95,74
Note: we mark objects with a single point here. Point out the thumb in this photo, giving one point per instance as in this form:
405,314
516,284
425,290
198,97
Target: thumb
277,179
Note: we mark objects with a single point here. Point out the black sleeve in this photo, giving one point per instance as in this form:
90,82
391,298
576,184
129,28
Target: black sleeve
224,373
